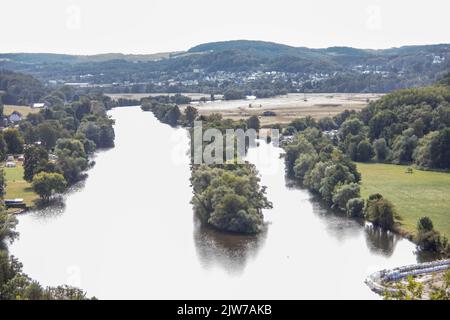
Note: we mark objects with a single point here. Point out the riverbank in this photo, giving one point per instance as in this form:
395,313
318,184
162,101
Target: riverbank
180,259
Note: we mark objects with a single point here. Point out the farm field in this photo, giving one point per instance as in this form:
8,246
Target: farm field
23,110
415,195
288,107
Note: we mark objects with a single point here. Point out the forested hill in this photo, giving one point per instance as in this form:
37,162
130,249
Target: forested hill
249,65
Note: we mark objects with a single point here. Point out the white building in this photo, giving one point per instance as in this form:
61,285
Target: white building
15,117
38,105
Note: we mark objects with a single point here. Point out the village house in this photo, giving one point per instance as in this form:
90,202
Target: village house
38,105
14,117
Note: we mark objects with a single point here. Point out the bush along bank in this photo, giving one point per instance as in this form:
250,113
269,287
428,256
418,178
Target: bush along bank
315,161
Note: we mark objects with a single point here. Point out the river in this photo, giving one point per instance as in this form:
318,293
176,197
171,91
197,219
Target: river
128,232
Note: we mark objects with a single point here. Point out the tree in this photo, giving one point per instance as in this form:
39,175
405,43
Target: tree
3,147
253,123
172,116
351,126
355,208
335,175
34,156
381,149
232,214
381,212
190,114
433,150
45,184
8,223
380,123
48,134
429,239
404,146
327,124
14,140
2,184
364,151
344,193
304,163
229,199
424,224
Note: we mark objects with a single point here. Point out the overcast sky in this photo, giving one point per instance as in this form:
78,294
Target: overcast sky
149,26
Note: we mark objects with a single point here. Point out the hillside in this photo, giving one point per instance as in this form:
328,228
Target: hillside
249,65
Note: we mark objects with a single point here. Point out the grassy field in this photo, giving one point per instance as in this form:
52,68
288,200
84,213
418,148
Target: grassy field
422,193
17,187
23,110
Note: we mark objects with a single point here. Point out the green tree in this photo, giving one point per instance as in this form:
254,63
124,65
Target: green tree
404,146
3,147
253,123
35,156
14,140
381,149
190,114
46,184
351,126
381,212
8,223
425,224
48,134
355,208
364,151
344,193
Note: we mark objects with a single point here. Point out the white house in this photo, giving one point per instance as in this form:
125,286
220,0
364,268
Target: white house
38,105
15,117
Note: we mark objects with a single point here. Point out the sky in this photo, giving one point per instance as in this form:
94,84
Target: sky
151,26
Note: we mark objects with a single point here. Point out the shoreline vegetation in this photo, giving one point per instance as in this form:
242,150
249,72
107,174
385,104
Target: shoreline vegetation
410,127
324,155
226,197
44,153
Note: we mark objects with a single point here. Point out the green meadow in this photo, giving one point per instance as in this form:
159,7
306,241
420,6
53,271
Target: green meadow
415,195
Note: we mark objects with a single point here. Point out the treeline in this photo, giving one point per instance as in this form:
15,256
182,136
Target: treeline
410,126
405,127
56,143
227,196
20,89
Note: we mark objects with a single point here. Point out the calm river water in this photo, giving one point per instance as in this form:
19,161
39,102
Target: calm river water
129,232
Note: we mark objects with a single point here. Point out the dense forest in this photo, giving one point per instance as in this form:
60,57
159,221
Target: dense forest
409,126
20,89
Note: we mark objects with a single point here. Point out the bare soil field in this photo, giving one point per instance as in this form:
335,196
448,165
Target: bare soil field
288,107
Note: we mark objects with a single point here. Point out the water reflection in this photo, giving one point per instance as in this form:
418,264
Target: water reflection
380,241
229,251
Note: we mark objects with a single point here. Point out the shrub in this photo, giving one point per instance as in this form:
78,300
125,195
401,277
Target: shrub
344,193
425,224
355,208
381,212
